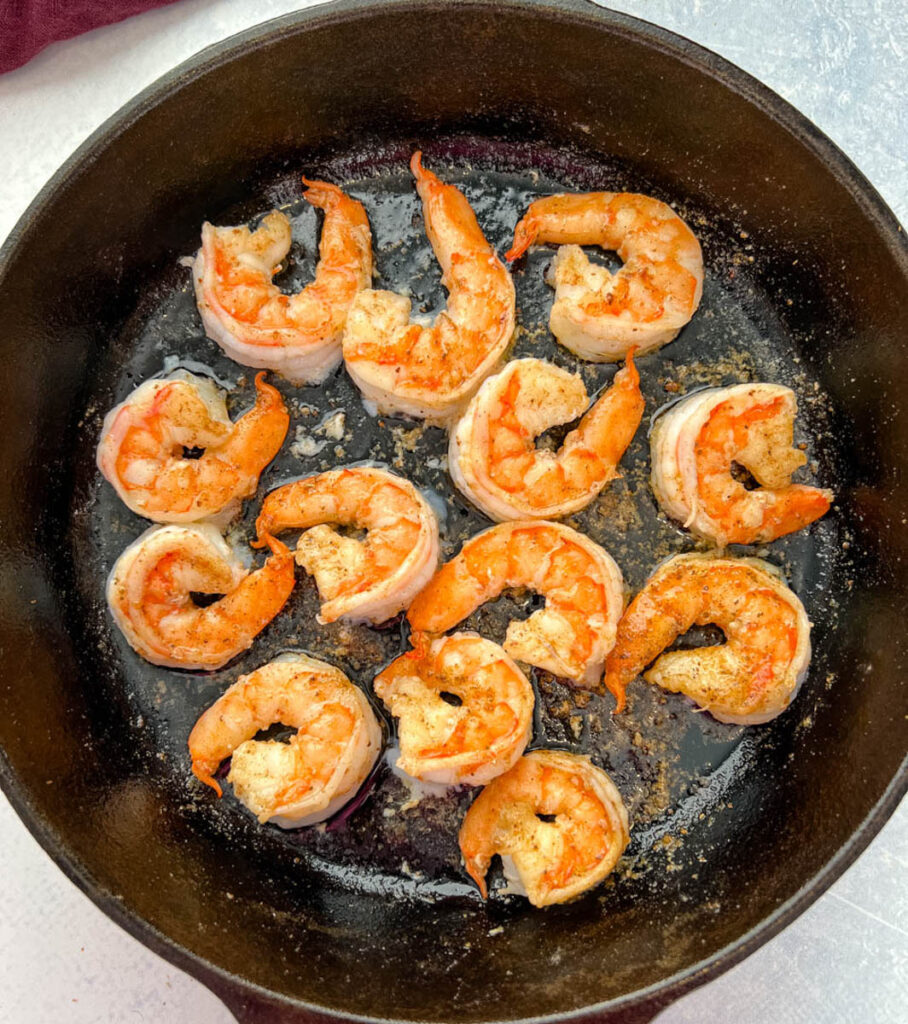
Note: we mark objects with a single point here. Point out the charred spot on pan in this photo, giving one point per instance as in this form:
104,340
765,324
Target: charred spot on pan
201,600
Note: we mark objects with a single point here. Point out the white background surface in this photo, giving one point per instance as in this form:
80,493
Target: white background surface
843,63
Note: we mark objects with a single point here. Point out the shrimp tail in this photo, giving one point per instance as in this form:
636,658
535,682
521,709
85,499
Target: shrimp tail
416,167
202,770
264,526
322,193
428,184
618,690
524,236
420,641
267,391
631,377
627,382
277,547
475,871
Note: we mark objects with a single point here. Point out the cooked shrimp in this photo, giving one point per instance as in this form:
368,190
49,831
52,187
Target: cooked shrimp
150,596
583,588
431,371
546,861
367,580
468,740
749,679
255,324
696,442
144,438
325,762
600,315
493,458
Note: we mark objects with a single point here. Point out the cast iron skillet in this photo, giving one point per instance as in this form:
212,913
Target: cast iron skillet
807,283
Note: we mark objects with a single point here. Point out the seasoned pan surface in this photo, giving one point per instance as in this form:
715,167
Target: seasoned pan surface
670,763
733,829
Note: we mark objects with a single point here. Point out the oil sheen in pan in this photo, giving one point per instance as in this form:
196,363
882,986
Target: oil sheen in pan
673,766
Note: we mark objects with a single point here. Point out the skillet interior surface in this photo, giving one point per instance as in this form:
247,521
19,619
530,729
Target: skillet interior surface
373,915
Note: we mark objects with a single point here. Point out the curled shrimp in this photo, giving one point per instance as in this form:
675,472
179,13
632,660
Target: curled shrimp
475,737
694,445
583,588
150,592
493,458
254,323
548,861
367,580
600,315
307,779
431,372
144,439
750,678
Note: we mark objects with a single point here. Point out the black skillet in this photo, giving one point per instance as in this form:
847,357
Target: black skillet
736,831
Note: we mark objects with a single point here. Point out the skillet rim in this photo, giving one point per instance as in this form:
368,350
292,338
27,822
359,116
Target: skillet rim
234,989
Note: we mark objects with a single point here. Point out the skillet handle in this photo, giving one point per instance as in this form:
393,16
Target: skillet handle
249,1008
644,1013
260,1009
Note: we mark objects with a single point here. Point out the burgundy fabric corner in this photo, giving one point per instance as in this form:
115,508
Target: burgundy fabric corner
27,26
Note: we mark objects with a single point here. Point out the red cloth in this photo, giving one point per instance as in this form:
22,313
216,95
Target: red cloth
27,26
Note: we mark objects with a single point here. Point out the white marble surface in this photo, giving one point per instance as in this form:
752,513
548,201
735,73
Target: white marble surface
843,63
